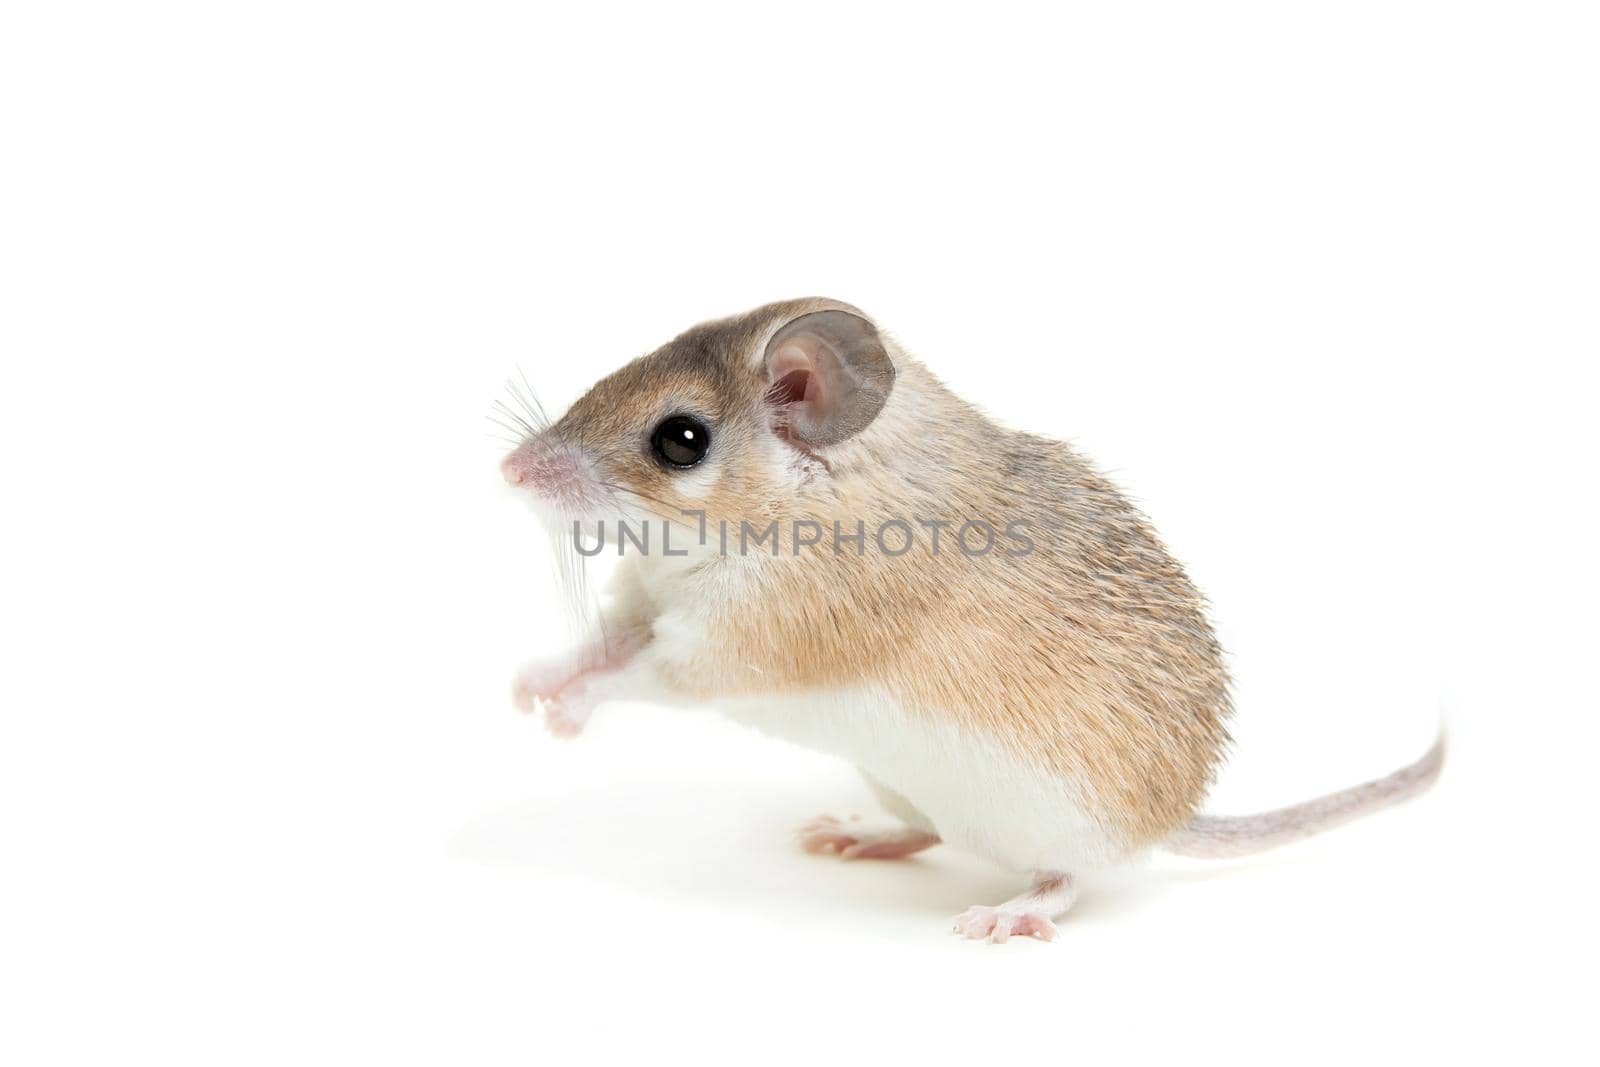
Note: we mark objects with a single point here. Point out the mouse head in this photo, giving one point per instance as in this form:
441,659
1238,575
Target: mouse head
729,419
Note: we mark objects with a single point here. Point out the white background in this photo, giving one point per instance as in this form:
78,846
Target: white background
1317,283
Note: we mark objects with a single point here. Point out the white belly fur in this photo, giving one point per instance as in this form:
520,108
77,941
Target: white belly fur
977,796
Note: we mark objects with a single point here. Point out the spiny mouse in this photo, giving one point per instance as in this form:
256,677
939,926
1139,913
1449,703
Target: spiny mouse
848,555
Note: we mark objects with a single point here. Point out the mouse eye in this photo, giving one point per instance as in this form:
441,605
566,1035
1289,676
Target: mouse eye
681,441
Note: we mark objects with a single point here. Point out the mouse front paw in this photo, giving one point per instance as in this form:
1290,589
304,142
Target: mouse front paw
565,708
541,681
563,720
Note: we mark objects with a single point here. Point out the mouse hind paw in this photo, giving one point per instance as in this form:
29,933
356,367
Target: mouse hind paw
857,839
997,924
1030,915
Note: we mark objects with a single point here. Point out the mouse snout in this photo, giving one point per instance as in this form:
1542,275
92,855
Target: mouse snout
535,466
560,475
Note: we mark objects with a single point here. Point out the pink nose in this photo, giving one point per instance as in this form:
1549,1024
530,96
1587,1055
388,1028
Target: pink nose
529,467
515,468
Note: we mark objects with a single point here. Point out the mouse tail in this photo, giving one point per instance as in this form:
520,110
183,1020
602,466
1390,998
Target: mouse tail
1222,836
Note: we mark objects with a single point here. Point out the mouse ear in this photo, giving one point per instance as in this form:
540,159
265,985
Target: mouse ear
830,374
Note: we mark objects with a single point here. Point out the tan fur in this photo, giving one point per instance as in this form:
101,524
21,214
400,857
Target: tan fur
1090,658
